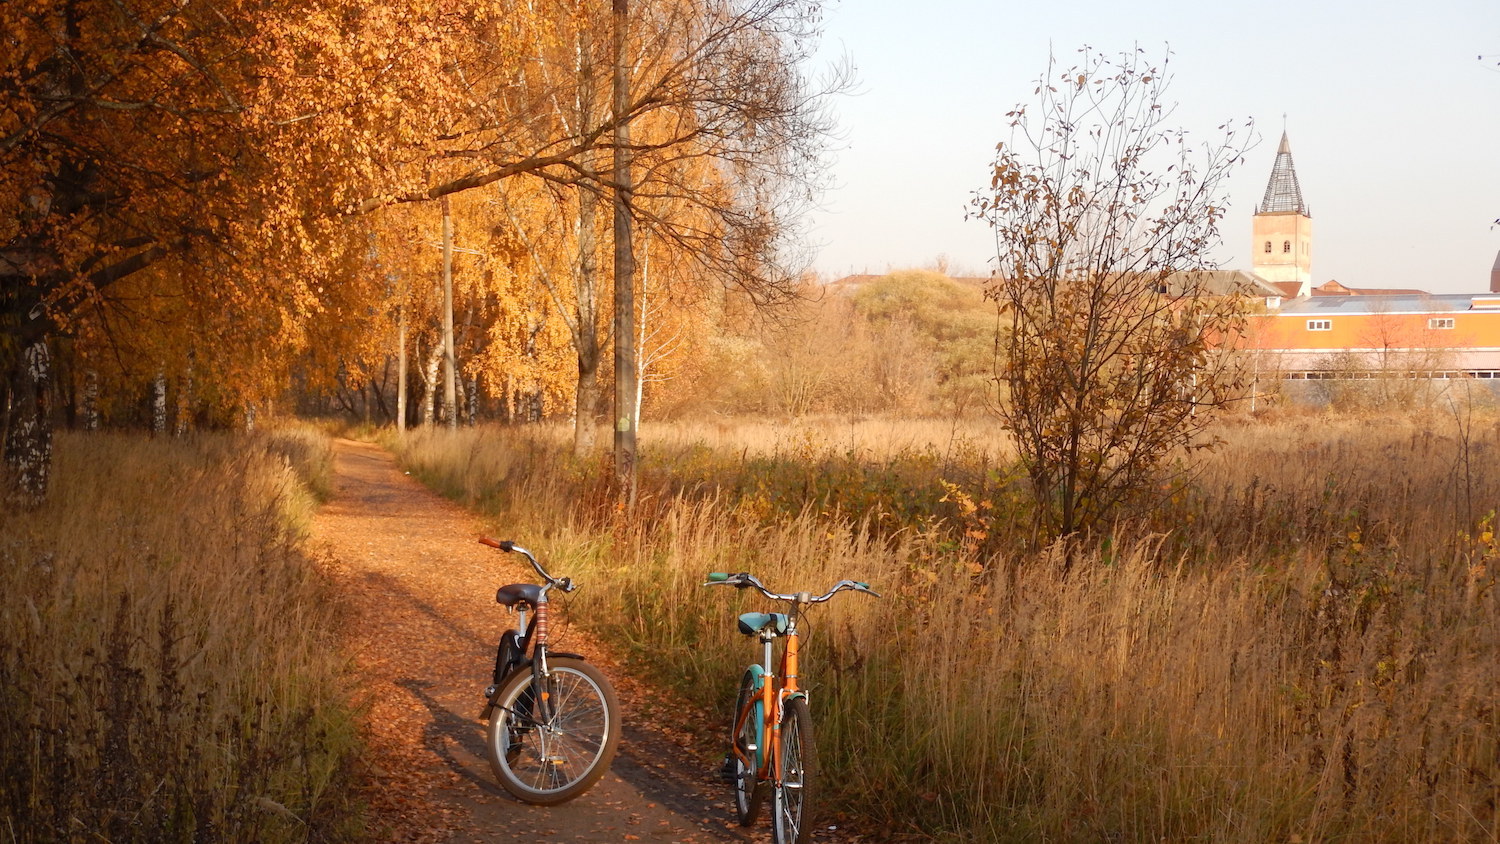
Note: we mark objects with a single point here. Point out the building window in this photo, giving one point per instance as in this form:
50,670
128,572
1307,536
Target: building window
1320,325
1286,246
1268,247
1440,322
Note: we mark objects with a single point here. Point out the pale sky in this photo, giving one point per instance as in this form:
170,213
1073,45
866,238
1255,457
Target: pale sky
1393,121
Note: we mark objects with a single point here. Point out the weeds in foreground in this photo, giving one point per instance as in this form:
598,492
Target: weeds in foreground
168,664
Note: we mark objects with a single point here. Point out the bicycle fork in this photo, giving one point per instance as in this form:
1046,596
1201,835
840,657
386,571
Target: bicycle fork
788,690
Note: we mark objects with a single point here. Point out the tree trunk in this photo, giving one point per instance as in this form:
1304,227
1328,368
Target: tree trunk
587,393
429,378
625,372
641,360
450,388
28,439
159,404
91,400
401,368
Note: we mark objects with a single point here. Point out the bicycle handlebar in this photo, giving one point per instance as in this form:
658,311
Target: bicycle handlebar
563,583
745,579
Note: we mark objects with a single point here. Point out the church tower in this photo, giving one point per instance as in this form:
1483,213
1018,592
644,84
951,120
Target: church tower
1282,226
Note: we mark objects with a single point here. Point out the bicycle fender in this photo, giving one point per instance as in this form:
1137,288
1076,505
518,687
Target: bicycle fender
757,676
758,672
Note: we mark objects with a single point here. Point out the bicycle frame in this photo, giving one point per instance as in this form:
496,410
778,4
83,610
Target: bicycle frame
515,644
511,654
776,690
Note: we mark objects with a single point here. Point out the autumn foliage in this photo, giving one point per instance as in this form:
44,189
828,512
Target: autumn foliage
222,199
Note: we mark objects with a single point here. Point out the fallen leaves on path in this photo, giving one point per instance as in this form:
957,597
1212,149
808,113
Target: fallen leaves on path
421,633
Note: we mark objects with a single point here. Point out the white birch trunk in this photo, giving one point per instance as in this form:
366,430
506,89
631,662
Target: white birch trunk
450,388
429,379
401,369
28,442
91,400
159,404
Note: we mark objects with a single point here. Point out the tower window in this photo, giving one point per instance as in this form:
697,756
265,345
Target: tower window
1440,322
1268,247
1320,325
1286,246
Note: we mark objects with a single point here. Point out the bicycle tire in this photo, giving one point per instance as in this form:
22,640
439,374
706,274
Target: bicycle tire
796,791
749,794
548,764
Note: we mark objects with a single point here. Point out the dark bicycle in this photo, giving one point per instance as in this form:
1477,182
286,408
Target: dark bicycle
554,722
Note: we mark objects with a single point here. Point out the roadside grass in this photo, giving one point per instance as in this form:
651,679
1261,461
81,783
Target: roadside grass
170,667
1301,642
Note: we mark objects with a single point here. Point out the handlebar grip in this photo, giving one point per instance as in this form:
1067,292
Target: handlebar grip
718,576
505,545
861,584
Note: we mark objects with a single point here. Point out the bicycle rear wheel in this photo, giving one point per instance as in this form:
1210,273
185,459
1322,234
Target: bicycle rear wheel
553,760
792,806
749,741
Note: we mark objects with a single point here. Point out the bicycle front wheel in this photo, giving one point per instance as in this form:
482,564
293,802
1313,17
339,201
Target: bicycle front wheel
553,759
794,796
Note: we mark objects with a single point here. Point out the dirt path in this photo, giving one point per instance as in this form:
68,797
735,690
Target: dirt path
423,631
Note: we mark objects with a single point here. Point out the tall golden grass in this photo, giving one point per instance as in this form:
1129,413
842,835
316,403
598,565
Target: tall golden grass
169,669
1301,642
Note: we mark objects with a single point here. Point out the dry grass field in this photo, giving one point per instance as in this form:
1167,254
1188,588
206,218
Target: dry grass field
169,664
1299,642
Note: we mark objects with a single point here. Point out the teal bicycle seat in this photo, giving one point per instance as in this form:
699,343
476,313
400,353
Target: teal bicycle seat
752,623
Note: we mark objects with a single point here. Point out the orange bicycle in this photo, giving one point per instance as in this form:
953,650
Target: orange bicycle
771,742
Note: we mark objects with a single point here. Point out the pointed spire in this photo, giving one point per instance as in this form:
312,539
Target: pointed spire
1283,193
